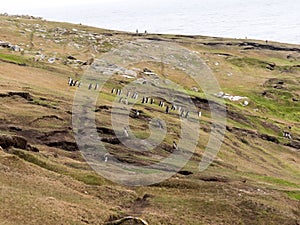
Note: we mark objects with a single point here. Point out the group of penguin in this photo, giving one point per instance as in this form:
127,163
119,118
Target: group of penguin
149,100
76,83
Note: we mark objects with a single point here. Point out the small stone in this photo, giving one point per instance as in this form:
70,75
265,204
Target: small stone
51,60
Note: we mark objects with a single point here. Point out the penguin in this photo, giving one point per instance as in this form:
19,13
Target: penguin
137,113
175,146
167,109
106,157
187,114
182,113
125,132
70,81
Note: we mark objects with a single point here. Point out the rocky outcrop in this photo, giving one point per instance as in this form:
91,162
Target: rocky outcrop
24,95
16,48
65,145
8,141
252,45
294,144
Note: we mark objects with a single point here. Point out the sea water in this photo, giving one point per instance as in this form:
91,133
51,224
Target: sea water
273,20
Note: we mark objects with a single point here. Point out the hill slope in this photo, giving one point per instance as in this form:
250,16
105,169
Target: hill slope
45,180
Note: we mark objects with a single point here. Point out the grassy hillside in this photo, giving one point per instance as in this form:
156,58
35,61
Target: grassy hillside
255,178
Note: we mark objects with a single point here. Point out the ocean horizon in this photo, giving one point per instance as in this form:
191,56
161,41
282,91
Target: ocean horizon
272,20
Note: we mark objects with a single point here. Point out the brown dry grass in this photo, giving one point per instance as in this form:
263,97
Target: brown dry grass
55,186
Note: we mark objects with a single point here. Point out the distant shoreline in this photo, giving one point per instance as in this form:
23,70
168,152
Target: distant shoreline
30,17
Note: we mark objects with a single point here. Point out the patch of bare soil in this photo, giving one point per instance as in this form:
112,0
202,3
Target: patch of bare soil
25,95
9,141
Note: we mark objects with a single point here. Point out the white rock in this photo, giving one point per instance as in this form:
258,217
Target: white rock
51,60
245,103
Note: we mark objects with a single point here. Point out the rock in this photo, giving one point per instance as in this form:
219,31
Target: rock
220,94
245,103
71,57
51,60
294,144
130,73
39,57
17,48
147,70
140,81
79,62
195,89
271,66
89,62
132,220
230,97
4,44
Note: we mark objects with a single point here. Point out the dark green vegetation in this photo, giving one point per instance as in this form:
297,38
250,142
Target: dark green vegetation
253,180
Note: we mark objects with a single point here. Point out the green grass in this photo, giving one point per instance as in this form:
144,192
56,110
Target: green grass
294,195
11,58
274,180
87,177
106,46
283,62
247,61
44,103
279,106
